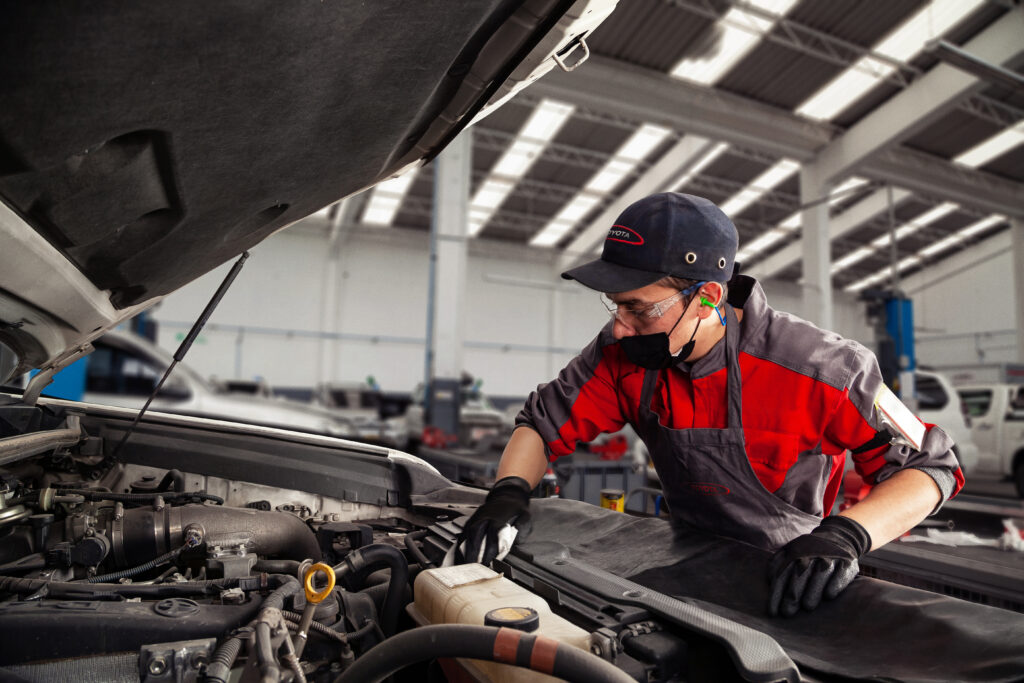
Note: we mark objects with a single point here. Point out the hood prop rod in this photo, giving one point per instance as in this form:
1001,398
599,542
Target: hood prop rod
186,343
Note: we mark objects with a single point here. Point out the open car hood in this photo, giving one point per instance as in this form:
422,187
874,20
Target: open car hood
142,146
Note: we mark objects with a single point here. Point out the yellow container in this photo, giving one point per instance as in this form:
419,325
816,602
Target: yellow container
613,499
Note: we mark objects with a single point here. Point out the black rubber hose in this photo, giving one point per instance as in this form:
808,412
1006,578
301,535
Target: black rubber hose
410,543
140,569
369,558
270,670
90,494
504,645
290,567
173,478
223,659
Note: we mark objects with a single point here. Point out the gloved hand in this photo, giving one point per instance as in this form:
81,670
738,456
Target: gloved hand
821,563
507,502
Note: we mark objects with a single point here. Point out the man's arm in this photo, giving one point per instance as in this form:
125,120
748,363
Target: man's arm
523,457
895,505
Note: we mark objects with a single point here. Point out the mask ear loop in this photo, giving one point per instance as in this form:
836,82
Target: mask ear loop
705,302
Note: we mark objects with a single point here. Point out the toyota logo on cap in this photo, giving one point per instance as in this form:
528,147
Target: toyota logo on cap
620,233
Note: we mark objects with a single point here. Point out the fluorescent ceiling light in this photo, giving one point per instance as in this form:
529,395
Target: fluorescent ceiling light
546,119
854,256
703,163
981,226
942,245
738,32
793,222
908,228
995,146
759,186
386,198
901,45
635,149
642,142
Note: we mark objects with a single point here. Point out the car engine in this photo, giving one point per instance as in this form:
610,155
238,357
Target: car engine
118,570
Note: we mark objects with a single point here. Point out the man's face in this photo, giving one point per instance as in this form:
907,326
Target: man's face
635,309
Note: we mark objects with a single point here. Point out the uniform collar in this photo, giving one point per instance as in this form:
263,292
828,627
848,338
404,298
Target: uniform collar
744,293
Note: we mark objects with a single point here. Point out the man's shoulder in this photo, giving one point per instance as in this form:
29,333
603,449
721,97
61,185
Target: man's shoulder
801,346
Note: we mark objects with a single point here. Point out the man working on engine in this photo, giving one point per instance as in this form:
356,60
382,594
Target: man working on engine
747,412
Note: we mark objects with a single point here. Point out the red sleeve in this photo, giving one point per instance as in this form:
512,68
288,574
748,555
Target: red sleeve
579,404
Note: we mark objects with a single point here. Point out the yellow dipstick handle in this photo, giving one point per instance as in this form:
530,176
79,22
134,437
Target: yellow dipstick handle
311,594
312,600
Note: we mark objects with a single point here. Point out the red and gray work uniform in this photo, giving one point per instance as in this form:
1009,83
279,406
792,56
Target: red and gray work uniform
749,441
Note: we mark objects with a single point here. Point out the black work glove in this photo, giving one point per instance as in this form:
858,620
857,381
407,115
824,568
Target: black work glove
507,502
821,563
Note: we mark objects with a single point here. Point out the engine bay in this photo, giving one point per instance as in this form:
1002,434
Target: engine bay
136,571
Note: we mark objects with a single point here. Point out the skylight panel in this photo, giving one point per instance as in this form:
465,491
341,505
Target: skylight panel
705,161
794,221
739,32
759,186
635,149
903,44
544,122
855,256
386,198
995,146
910,227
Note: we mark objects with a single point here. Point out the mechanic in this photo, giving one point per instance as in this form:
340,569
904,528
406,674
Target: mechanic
747,412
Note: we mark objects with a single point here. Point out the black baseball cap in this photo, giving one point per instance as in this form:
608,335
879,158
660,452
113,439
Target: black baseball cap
661,235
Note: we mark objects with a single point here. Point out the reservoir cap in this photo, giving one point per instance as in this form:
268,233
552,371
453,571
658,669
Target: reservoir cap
520,618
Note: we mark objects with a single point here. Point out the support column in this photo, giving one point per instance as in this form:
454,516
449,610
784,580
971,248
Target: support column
816,244
445,319
1017,273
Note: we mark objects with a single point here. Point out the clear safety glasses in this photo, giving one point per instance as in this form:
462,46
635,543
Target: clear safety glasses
647,313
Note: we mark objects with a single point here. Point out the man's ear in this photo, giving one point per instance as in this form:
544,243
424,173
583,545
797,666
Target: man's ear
712,291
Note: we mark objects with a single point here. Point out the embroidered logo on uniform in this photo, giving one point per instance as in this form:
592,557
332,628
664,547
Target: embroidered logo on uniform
709,489
620,233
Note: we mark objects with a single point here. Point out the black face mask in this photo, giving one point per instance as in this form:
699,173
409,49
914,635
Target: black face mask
652,351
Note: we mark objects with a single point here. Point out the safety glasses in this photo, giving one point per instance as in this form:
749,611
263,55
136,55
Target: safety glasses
646,313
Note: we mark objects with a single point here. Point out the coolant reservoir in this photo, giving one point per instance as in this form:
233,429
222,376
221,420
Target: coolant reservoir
466,593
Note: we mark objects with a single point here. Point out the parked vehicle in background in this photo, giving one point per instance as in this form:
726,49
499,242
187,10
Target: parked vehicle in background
125,368
246,387
939,404
361,405
480,423
997,421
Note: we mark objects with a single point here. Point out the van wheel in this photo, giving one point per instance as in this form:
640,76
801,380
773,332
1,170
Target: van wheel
1018,477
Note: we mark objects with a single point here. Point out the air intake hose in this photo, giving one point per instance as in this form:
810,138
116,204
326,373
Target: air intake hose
363,561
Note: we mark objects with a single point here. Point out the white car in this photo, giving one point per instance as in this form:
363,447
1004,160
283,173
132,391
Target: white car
938,403
124,368
997,420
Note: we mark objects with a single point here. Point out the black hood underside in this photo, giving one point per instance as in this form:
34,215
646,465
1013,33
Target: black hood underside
152,141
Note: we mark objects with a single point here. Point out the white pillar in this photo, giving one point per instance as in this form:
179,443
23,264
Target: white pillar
816,244
447,329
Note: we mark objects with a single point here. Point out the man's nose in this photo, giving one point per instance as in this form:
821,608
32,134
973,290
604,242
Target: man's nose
621,329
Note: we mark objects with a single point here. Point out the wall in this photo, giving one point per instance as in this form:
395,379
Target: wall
963,309
523,322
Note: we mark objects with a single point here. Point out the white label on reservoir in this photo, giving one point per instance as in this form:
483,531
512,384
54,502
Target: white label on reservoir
898,418
463,574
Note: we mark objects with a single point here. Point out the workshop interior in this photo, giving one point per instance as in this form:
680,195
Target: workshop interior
282,286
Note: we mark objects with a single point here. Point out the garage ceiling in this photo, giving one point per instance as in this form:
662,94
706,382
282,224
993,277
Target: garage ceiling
733,101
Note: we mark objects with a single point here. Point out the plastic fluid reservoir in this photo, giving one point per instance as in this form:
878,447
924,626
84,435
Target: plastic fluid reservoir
466,593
